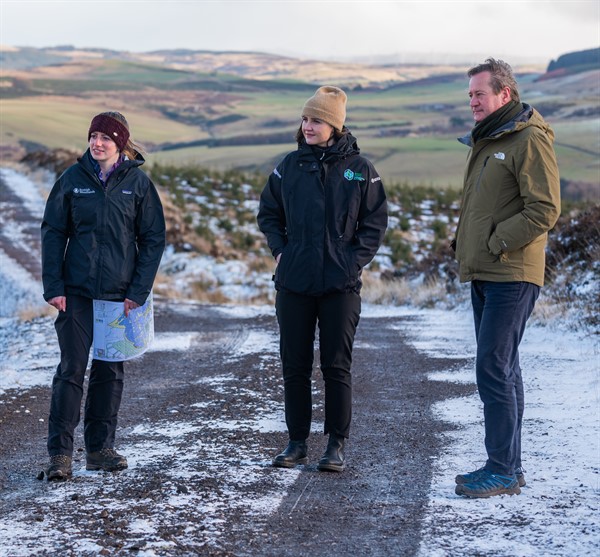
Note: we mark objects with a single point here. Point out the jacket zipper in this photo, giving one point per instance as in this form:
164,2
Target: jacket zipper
481,173
102,243
104,232
477,184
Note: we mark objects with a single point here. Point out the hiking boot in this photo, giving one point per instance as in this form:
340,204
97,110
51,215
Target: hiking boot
474,476
295,453
108,460
488,485
59,469
333,459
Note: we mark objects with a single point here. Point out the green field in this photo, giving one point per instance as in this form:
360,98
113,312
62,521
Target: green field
62,122
409,131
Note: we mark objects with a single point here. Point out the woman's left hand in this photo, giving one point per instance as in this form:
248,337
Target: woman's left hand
129,305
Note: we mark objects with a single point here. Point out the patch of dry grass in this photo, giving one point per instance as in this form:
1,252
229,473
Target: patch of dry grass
402,291
33,312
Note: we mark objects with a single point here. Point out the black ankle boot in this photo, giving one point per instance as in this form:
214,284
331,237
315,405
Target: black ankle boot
295,453
333,459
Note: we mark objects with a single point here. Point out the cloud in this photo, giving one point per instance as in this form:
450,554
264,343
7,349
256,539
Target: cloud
326,29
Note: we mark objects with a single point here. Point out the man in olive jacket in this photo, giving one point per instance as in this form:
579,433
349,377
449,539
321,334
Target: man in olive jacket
511,198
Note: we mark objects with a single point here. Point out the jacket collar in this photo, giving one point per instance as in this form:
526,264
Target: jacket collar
515,124
87,161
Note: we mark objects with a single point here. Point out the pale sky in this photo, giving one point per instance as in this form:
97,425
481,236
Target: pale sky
516,30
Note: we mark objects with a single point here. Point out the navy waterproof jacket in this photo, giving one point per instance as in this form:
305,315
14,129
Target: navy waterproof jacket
326,217
102,243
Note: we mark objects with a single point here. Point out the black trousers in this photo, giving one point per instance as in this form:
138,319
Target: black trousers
74,328
337,317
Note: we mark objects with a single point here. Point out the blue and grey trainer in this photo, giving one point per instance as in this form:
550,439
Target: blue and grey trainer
471,477
487,485
520,473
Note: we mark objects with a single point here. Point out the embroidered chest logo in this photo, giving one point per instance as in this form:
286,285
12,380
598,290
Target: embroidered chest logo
499,156
351,175
83,190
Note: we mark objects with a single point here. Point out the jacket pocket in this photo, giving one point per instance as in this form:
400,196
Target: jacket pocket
282,261
293,270
477,252
349,267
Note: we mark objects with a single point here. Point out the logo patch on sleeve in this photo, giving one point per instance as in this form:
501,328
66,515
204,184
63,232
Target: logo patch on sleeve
351,175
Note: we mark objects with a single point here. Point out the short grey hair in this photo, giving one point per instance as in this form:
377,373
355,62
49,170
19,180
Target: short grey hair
501,76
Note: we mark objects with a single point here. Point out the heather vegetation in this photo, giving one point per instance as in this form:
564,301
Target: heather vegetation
217,254
217,216
214,214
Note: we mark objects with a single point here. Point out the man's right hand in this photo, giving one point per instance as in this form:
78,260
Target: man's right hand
59,302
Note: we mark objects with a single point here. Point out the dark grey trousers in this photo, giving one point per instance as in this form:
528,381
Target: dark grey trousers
74,328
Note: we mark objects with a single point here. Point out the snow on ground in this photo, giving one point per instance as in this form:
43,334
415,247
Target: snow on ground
19,290
556,513
147,444
184,270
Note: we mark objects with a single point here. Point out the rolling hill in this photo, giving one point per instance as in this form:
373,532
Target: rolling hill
240,110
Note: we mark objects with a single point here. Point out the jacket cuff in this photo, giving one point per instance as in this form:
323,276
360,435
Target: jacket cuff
53,294
495,245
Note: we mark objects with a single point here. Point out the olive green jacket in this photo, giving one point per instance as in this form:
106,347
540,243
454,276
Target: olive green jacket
511,198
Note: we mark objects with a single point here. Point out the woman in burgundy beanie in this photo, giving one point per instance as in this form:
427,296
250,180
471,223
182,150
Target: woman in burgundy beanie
112,124
103,236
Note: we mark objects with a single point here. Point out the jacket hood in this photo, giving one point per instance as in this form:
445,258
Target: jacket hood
344,147
529,116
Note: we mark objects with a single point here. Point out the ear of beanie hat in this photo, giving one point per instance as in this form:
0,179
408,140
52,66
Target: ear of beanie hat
327,104
115,129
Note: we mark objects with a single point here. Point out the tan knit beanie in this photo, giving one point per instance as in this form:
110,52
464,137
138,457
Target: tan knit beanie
327,104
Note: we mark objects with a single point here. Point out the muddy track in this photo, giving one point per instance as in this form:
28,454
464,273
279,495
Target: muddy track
200,424
209,489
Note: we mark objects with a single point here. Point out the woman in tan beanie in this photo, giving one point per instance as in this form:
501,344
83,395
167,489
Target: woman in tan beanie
324,214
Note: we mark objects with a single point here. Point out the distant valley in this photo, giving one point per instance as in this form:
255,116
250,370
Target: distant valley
234,110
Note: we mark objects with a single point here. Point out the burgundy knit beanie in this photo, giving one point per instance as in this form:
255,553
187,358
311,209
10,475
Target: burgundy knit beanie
112,124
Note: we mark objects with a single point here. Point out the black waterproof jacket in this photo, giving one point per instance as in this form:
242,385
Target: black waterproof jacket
102,243
326,217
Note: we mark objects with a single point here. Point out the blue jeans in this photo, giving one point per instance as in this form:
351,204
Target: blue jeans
501,310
